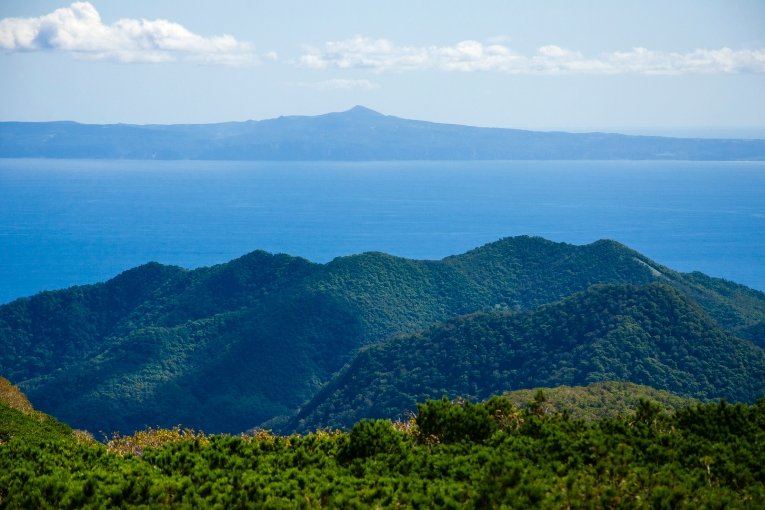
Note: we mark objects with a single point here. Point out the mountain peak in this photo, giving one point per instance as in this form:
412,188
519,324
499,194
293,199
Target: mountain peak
359,110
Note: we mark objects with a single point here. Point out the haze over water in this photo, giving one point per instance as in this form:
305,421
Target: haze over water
67,222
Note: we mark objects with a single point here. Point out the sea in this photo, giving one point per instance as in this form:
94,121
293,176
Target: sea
72,222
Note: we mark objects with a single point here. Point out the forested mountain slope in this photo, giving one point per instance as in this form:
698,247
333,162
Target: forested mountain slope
227,347
651,335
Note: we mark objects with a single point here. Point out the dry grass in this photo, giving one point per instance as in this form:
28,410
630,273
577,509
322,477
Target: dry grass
13,397
152,438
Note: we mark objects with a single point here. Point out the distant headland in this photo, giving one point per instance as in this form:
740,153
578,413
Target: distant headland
358,134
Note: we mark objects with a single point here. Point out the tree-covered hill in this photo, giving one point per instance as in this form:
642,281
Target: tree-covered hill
228,347
651,335
609,399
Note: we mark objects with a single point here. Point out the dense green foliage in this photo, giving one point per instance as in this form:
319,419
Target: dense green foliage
650,335
735,307
599,400
454,455
228,347
34,425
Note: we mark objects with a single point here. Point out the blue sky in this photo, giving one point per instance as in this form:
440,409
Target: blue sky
667,67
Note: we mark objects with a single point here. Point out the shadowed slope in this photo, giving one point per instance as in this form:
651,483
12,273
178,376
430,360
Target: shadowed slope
649,335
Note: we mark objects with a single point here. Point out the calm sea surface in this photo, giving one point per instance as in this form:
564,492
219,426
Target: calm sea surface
65,222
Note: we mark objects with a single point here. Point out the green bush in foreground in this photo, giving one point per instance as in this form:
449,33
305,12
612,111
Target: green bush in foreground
453,455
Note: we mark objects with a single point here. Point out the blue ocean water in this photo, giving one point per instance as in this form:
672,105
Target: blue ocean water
67,222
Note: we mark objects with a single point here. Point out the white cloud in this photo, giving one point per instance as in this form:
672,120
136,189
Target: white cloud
78,29
382,55
339,84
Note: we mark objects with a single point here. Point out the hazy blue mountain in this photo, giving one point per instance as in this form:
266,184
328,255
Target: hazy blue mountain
227,347
356,134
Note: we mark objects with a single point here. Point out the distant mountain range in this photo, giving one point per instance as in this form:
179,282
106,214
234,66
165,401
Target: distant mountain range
280,341
356,134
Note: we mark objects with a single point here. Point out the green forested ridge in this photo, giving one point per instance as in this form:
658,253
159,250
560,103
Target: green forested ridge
227,347
609,399
452,455
651,335
734,306
56,329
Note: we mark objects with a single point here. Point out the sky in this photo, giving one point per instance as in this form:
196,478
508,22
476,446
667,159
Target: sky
679,67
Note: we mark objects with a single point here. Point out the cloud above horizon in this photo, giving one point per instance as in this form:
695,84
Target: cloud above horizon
79,30
382,55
